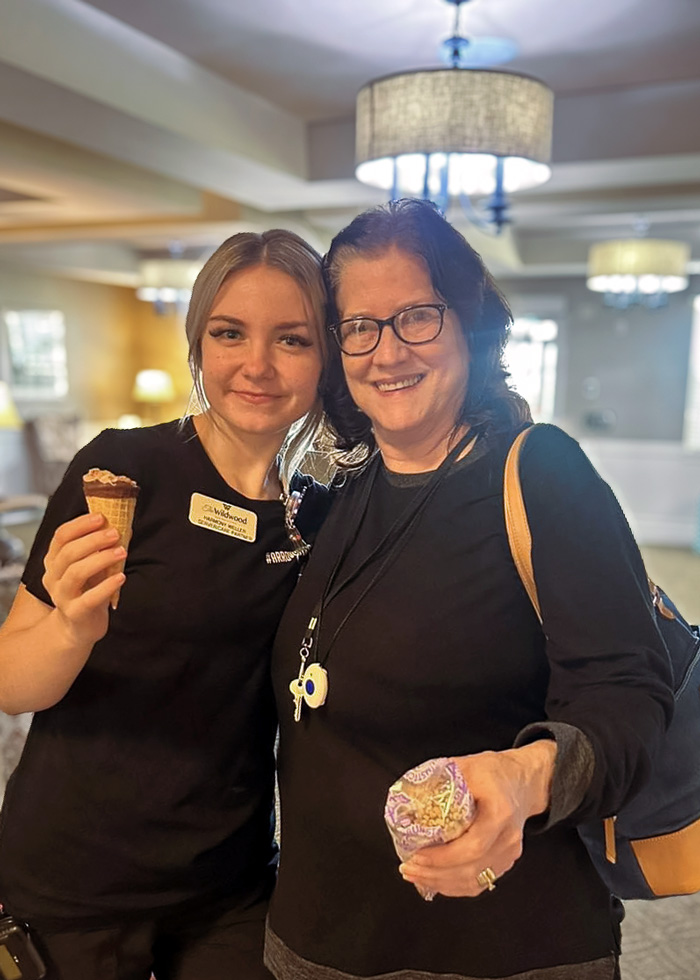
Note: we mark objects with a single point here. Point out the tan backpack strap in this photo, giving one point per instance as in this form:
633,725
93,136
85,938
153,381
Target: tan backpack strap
517,527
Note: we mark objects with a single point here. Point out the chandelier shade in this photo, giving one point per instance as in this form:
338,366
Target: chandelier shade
455,110
638,266
167,280
415,122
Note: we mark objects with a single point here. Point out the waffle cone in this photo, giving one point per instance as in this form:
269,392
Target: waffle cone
116,501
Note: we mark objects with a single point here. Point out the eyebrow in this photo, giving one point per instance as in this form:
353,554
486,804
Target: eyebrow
234,321
409,306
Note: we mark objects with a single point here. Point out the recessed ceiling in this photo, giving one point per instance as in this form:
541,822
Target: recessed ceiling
184,120
12,197
312,56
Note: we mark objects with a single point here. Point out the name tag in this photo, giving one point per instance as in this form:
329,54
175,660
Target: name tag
217,515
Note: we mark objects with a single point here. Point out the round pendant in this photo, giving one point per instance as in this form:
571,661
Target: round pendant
315,682
310,688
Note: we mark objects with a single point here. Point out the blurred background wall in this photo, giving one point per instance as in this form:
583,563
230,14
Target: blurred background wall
135,137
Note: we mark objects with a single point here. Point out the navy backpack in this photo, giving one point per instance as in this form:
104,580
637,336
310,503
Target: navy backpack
651,848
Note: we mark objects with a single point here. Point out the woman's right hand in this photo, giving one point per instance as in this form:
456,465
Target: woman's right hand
509,786
80,554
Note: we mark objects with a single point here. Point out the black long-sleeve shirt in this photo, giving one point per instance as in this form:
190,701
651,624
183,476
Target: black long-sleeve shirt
442,655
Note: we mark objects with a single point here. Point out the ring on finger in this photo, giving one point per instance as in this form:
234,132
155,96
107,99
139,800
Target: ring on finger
487,879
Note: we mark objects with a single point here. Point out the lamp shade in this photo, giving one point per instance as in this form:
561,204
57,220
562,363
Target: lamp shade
644,265
167,280
455,111
153,386
9,416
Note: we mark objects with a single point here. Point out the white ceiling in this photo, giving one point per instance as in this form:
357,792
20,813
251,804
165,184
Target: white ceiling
127,125
311,56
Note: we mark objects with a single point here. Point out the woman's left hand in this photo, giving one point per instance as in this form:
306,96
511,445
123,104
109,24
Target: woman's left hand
508,787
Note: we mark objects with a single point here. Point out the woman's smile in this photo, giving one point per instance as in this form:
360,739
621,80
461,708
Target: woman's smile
398,384
256,397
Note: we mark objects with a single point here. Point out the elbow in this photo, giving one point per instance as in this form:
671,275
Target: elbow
8,704
17,705
10,707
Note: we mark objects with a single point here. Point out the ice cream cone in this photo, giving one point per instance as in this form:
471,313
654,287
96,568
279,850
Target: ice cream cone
115,498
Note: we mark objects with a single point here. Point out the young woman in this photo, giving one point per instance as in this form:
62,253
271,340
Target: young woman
136,832
412,614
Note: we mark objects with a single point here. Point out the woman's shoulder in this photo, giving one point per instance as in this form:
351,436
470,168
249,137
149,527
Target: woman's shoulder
334,498
552,466
315,503
341,480
546,434
551,455
542,438
119,450
557,478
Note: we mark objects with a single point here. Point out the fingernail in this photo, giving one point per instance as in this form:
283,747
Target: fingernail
119,552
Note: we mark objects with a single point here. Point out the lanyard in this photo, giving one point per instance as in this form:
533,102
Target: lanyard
311,684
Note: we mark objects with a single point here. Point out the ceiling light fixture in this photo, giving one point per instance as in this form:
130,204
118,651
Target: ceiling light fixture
638,271
167,282
455,132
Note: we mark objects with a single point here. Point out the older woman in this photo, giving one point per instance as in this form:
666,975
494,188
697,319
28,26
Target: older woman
137,832
419,641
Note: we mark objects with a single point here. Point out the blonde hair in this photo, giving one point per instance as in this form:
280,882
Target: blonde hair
279,249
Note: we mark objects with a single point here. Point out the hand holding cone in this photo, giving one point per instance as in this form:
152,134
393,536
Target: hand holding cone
115,498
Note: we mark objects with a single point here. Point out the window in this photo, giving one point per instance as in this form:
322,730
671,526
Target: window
531,359
35,354
691,427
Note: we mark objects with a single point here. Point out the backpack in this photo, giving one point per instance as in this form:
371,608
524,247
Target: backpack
651,848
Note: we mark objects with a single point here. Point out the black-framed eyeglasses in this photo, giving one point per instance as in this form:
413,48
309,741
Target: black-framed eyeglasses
414,325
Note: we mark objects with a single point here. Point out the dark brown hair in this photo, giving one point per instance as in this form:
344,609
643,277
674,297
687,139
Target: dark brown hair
460,278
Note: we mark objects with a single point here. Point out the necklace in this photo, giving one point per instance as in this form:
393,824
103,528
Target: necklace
292,503
310,686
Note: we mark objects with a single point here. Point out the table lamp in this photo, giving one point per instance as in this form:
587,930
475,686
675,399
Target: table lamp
153,387
9,416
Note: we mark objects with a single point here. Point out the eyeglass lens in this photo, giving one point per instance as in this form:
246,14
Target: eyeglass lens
416,325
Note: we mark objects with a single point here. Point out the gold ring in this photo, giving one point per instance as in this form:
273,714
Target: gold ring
487,879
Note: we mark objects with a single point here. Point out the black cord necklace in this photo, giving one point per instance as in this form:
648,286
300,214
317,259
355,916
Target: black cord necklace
310,686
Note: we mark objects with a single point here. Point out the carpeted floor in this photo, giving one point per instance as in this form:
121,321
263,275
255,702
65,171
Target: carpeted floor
661,940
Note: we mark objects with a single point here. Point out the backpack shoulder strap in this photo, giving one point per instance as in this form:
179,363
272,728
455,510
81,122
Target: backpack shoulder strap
520,541
517,527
